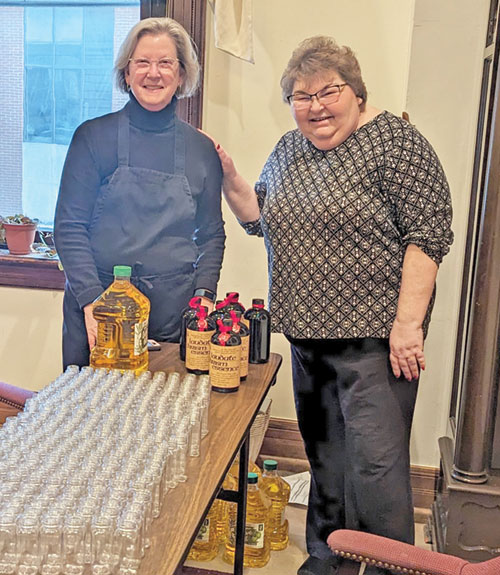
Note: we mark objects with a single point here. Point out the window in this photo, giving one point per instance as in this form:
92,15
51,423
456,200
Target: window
68,57
60,60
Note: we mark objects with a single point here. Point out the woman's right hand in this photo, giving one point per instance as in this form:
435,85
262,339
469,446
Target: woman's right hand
90,325
238,193
228,167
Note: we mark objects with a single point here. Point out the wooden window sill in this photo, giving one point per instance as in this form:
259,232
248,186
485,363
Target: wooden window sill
30,271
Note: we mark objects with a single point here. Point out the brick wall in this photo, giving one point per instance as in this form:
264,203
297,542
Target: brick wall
11,109
125,19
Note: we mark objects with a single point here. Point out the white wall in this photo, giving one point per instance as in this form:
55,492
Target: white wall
30,336
423,57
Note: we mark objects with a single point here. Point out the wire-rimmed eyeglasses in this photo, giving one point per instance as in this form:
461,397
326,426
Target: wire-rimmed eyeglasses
327,95
164,64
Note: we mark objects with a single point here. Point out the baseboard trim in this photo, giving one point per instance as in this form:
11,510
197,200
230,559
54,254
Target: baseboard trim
283,443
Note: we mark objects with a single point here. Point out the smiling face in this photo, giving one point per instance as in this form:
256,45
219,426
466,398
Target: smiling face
327,125
154,88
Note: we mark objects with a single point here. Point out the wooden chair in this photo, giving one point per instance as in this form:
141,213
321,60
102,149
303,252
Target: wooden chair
400,557
12,400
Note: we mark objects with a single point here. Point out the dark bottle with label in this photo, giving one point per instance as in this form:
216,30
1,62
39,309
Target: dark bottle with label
198,335
219,311
225,356
260,332
242,330
233,302
187,315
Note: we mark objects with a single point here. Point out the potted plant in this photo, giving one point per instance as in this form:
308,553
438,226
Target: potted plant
19,233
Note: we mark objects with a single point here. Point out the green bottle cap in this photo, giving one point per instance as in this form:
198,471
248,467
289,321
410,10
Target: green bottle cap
122,271
270,464
252,477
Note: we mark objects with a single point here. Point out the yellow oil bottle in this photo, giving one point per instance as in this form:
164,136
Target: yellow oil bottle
231,483
206,544
278,492
122,315
234,470
257,545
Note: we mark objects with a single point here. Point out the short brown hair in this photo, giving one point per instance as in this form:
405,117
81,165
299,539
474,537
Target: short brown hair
317,55
185,47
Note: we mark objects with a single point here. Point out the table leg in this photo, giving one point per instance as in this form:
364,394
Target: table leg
242,508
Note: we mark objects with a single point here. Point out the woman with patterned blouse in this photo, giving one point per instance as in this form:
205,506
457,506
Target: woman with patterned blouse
355,212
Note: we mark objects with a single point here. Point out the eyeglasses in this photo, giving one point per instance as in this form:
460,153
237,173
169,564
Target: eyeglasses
164,65
327,95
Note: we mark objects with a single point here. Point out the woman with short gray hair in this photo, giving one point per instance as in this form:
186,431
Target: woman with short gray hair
355,212
141,188
186,52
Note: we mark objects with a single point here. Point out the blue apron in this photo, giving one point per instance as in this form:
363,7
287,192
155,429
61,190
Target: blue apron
145,219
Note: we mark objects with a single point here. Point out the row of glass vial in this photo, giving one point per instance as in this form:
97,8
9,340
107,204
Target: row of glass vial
75,447
266,527
99,446
67,545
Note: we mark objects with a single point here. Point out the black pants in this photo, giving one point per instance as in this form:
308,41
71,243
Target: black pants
355,418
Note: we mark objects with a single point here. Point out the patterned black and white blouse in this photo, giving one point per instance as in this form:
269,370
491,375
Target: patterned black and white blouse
336,225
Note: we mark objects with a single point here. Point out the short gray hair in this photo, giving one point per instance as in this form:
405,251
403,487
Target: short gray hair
186,52
319,55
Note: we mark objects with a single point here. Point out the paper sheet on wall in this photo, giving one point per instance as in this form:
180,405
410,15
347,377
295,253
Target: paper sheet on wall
233,27
299,487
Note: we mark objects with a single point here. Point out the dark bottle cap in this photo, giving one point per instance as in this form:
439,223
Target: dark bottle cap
270,464
252,477
257,302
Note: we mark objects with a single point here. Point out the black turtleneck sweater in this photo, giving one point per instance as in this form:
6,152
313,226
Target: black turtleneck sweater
93,157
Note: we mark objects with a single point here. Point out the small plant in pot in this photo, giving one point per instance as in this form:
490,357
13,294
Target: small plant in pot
19,233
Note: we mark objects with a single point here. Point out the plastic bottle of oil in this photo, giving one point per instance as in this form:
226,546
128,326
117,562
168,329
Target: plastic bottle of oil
231,483
234,470
206,544
122,315
257,546
278,491
223,518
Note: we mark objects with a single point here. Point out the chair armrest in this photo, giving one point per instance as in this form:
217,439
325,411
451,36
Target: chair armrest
12,400
391,554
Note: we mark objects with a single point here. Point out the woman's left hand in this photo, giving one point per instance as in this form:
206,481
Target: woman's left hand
406,344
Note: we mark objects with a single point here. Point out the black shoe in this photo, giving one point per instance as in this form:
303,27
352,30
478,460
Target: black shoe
315,566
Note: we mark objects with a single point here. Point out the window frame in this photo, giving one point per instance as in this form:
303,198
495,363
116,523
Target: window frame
40,273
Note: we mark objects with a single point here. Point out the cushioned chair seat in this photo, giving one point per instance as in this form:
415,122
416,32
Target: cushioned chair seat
12,400
403,558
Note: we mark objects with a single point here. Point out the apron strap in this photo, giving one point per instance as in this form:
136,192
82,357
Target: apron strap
123,138
179,150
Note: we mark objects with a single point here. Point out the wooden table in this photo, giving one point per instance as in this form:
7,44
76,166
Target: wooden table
184,508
